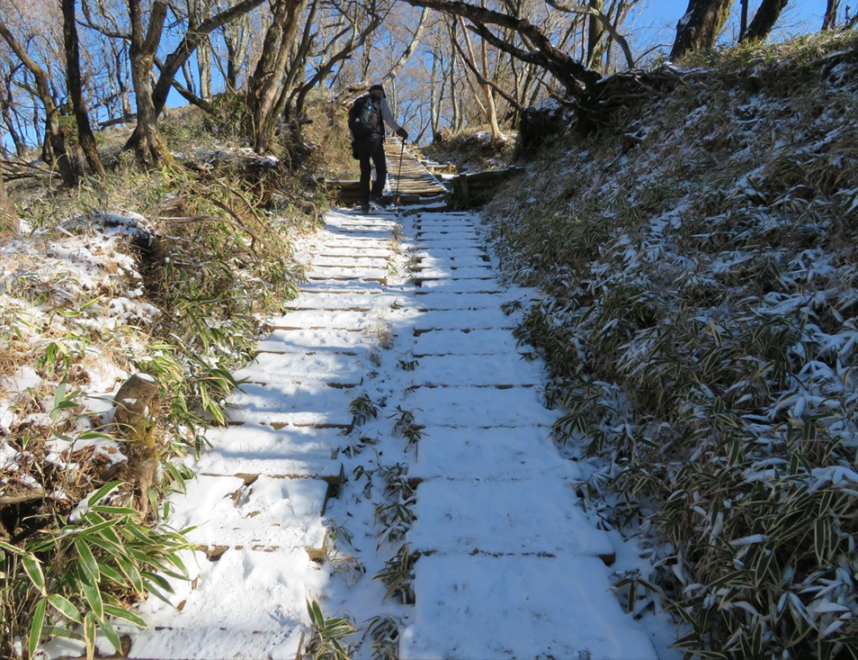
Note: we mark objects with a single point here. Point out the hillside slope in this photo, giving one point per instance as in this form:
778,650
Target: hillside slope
700,319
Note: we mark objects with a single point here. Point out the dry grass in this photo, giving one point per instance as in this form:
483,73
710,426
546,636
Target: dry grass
472,150
329,133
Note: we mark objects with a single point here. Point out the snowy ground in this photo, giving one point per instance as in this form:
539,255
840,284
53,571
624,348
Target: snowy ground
69,295
301,497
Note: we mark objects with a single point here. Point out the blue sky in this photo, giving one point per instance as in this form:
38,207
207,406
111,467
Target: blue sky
656,21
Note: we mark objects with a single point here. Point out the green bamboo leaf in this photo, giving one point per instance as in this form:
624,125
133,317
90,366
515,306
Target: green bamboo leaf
116,510
177,477
159,580
33,568
59,398
91,592
819,539
757,641
88,561
94,435
112,574
125,615
102,492
36,625
727,579
176,561
65,633
98,527
131,572
104,544
64,607
735,451
11,548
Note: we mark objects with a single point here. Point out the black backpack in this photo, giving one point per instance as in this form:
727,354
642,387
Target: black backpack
363,117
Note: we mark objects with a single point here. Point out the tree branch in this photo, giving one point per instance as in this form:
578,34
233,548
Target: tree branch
606,23
192,39
575,77
485,81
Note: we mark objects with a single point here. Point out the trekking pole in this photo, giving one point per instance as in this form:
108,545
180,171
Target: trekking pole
399,175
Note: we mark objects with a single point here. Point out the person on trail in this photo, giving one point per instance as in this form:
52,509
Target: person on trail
366,121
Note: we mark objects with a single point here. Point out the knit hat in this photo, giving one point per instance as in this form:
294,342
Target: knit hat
379,88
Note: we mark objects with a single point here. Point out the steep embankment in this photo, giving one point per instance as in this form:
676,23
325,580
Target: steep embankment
699,263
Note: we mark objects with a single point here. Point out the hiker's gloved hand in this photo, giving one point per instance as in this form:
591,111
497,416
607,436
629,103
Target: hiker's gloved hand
401,132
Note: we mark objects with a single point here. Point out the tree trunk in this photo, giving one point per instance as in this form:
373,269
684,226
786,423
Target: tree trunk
204,61
490,96
699,28
75,89
264,84
66,164
235,38
434,111
765,19
204,64
595,30
491,114
8,216
456,121
743,19
409,51
122,82
149,145
829,20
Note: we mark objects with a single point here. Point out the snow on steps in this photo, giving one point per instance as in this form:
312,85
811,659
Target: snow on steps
509,565
518,607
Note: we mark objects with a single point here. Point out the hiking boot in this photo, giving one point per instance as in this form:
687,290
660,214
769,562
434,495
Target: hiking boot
364,207
377,201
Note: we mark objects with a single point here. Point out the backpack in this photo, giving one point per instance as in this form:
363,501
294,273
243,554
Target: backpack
363,117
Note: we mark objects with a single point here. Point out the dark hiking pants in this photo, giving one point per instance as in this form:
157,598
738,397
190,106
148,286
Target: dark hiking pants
370,152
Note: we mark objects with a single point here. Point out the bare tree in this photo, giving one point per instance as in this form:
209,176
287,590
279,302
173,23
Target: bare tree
371,18
264,85
535,48
65,161
491,112
235,39
9,109
149,144
829,19
743,19
397,66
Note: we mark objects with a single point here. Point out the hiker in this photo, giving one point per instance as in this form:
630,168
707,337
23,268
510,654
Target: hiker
366,122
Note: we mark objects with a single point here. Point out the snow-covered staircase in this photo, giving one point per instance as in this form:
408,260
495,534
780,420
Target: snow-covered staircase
508,564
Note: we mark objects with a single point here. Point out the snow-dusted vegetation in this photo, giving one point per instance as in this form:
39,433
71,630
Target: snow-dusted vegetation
700,322
176,292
